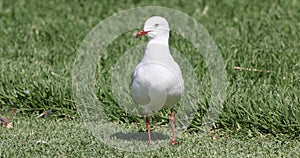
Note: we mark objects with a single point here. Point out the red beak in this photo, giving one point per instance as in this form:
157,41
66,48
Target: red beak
141,33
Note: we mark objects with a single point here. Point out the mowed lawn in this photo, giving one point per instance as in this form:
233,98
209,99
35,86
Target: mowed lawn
259,43
67,138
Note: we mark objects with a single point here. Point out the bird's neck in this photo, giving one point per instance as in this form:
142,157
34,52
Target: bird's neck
162,40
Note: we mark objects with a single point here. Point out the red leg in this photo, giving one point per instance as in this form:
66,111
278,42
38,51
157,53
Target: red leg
173,142
148,128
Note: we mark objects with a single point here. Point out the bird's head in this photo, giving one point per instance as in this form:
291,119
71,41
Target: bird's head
154,27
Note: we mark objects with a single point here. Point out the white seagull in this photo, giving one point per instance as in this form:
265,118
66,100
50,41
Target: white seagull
157,80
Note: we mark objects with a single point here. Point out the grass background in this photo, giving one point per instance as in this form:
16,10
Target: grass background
39,42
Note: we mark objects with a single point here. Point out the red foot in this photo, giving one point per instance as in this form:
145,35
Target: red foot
174,143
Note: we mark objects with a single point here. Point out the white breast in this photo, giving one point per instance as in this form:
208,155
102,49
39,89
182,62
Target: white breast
157,81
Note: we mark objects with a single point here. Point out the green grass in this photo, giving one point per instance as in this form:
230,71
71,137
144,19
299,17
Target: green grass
33,137
39,43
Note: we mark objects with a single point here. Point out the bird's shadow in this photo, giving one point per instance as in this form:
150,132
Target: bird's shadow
139,136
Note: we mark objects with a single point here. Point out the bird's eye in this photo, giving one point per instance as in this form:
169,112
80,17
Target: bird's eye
156,25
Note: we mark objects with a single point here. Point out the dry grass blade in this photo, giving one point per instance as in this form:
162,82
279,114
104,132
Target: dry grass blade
5,122
45,114
204,12
250,69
